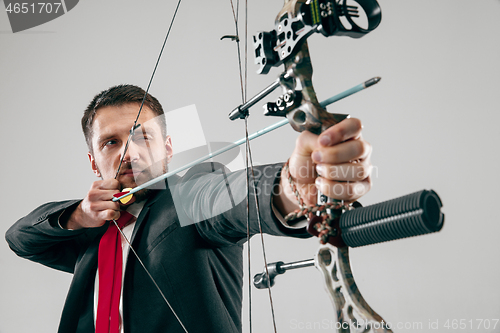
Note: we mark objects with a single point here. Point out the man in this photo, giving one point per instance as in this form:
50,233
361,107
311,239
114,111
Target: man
196,266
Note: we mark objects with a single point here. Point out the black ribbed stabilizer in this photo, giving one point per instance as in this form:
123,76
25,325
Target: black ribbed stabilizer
410,215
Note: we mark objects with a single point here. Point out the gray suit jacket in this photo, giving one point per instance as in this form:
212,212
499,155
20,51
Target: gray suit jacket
198,266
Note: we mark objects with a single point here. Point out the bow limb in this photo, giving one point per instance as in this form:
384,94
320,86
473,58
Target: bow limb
353,314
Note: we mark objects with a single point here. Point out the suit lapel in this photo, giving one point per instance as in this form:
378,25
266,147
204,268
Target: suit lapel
78,311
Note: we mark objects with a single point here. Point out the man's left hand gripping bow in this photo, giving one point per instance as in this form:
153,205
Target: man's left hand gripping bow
336,162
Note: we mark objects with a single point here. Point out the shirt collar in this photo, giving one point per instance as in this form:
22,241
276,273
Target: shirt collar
136,208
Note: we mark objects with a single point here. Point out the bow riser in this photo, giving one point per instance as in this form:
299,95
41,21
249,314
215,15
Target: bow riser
309,116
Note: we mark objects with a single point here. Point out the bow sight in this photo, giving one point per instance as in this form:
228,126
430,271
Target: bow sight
295,23
330,17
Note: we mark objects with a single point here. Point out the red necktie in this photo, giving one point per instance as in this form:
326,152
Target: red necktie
110,277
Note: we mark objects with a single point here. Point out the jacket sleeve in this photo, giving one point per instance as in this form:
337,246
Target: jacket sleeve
38,237
215,201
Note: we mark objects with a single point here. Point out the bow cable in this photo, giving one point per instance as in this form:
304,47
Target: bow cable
243,100
250,175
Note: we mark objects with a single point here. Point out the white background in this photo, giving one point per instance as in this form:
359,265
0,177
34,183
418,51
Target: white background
432,121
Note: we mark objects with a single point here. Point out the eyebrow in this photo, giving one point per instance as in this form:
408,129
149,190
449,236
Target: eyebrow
105,138
140,130
147,130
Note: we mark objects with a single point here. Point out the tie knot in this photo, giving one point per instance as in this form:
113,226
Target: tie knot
124,219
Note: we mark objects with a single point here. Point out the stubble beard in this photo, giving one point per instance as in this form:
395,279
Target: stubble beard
145,193
148,174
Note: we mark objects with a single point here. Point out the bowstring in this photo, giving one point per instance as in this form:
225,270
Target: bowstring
259,223
235,18
151,277
134,127
250,175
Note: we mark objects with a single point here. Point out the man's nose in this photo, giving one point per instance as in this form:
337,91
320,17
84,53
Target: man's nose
132,153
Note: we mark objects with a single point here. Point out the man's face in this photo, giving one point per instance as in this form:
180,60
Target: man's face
148,152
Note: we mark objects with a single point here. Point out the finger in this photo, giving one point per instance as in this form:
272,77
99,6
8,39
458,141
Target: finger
108,211
347,129
306,143
109,214
345,172
348,191
96,195
300,163
98,207
343,152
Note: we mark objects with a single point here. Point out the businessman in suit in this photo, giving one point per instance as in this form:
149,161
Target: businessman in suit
187,235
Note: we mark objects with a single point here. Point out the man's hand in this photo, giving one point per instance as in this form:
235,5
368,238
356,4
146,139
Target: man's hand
96,208
337,162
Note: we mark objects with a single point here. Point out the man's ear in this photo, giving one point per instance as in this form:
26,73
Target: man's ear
93,165
168,146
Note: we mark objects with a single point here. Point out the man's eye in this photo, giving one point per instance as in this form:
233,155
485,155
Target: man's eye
141,139
109,143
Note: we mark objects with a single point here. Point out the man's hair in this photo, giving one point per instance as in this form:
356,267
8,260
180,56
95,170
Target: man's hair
118,96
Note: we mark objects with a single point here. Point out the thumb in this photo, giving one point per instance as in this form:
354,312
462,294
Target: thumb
301,165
